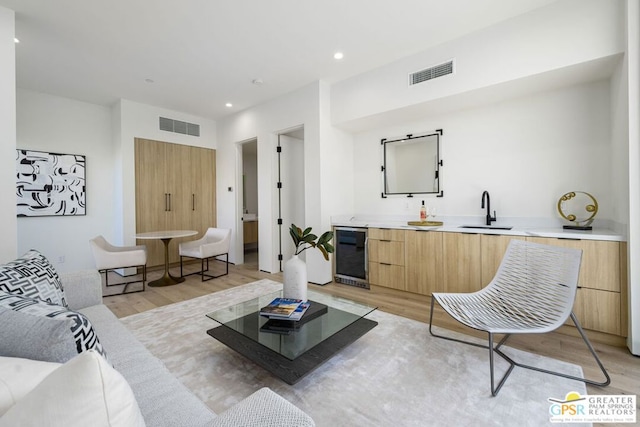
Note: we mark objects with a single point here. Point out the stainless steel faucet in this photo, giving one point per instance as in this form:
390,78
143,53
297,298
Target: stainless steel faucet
489,218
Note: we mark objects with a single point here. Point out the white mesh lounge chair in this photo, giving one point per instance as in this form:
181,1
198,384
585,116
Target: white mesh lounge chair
532,293
214,243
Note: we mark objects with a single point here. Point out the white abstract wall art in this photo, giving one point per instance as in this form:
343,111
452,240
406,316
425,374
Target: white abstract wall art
50,184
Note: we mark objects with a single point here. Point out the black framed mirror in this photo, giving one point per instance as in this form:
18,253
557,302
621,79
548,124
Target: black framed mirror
411,165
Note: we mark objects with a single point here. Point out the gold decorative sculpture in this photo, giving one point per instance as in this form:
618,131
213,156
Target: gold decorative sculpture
579,208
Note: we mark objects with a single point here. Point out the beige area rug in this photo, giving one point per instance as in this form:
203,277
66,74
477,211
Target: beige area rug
395,375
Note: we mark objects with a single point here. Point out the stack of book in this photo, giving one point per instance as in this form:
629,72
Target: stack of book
285,309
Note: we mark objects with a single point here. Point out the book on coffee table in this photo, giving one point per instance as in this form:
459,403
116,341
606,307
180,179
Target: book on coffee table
280,308
300,311
285,326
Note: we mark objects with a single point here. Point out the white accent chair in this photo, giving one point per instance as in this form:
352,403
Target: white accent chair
532,293
108,257
214,243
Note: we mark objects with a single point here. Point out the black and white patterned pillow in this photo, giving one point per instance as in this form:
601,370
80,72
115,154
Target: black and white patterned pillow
32,275
80,330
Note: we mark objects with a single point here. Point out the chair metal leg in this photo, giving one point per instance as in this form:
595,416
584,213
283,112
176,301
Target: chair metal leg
126,284
512,363
495,390
207,277
449,338
560,374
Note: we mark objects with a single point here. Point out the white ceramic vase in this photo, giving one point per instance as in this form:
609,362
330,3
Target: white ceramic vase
295,279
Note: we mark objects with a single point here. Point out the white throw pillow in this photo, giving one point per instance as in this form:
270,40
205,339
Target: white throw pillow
85,391
19,376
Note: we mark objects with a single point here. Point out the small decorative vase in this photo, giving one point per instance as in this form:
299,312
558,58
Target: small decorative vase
295,279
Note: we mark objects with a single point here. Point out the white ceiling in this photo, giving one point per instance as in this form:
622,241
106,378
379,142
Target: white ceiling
202,54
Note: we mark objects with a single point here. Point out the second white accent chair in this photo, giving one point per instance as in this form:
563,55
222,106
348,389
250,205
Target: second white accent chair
214,243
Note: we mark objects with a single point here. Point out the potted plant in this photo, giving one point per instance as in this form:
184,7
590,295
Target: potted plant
295,269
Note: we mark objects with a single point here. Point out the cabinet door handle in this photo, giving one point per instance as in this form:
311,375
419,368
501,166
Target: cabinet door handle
366,257
193,202
169,202
166,202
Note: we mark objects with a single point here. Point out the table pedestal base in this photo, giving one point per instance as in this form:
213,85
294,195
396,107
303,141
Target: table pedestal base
167,279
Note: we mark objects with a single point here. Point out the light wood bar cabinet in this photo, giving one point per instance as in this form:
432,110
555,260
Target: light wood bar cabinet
427,261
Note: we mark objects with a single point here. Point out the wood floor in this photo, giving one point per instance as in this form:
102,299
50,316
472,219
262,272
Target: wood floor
623,367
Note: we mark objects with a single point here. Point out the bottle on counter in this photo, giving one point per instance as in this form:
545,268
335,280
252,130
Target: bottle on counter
423,212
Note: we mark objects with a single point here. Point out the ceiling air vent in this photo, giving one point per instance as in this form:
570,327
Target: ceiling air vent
431,73
177,126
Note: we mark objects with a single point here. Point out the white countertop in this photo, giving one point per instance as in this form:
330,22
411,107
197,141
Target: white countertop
537,230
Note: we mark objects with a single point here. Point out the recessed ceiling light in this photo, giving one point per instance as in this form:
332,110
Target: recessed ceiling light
228,104
338,55
16,40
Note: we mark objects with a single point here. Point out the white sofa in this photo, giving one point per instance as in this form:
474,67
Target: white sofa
161,398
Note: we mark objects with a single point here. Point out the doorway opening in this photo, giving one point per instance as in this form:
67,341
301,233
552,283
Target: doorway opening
250,212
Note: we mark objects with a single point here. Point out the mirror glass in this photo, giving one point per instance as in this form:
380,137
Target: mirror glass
412,165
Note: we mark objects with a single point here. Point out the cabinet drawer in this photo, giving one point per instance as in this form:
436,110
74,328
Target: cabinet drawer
600,267
387,275
386,234
388,252
598,310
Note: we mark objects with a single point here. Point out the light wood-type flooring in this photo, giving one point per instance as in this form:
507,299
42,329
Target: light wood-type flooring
623,367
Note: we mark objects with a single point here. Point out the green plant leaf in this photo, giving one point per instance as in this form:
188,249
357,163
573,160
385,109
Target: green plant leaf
326,237
324,252
304,240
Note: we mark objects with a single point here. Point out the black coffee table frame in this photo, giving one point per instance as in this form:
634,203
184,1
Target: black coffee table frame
288,370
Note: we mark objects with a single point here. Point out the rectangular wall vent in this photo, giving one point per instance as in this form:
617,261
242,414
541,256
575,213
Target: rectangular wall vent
177,126
431,73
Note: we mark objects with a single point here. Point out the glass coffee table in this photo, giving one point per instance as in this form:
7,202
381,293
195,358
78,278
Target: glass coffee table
288,349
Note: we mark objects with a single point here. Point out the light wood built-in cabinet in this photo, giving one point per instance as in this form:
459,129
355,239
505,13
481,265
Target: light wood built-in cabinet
175,190
423,262
250,232
387,258
600,304
462,262
493,248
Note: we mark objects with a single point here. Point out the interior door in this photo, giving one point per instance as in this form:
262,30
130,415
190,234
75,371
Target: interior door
291,190
151,195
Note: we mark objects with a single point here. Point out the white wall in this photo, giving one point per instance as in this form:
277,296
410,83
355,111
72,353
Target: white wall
633,129
8,221
62,125
526,152
306,107
563,34
106,136
134,120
